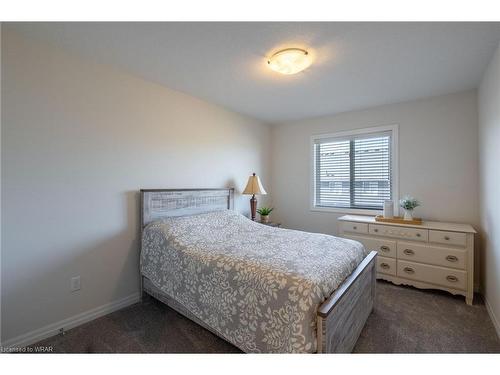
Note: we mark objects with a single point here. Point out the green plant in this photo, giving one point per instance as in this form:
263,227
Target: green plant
409,203
265,211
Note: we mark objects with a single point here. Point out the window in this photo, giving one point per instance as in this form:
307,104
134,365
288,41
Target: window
355,170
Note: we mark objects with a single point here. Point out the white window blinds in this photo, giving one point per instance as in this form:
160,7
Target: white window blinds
353,172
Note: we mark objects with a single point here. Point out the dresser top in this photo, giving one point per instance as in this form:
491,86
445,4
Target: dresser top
436,225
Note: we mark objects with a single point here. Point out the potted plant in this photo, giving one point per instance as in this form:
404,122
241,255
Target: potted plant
408,204
264,213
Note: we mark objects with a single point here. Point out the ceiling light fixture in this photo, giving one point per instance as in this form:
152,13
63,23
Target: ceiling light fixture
290,61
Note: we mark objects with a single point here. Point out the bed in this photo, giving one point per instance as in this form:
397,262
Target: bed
263,289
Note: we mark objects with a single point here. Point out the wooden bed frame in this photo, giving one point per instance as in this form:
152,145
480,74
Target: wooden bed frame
340,318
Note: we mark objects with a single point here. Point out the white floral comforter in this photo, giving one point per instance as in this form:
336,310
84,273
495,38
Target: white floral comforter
258,286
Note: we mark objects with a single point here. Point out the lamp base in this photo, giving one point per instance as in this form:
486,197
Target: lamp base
253,206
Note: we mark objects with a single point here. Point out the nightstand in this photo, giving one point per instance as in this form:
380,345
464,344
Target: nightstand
270,224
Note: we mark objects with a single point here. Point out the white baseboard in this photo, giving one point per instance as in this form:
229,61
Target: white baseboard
492,315
74,321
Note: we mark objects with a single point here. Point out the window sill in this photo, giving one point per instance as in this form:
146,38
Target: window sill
352,211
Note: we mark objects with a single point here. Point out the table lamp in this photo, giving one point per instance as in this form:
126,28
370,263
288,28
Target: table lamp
254,186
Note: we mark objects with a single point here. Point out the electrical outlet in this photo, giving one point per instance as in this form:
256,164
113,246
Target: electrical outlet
75,284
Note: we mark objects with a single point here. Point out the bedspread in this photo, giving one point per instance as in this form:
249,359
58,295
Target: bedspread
259,287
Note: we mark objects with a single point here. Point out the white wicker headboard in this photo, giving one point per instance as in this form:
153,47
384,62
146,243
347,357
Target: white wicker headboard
160,203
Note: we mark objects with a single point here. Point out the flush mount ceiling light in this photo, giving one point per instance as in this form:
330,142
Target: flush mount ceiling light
290,61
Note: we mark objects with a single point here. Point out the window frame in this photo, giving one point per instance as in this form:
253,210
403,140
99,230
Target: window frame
394,129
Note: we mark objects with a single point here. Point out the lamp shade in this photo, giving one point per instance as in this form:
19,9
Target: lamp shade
254,186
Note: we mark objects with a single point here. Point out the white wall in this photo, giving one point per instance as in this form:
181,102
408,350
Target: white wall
489,157
438,159
78,141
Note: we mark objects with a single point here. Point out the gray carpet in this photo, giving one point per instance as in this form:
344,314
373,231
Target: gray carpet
405,320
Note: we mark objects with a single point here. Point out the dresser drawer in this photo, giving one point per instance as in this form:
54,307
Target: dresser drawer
386,265
353,227
386,248
414,234
440,256
448,238
448,277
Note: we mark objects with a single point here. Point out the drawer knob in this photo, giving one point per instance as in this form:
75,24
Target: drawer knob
408,251
385,248
409,270
446,238
418,234
375,230
354,227
451,258
385,266
452,278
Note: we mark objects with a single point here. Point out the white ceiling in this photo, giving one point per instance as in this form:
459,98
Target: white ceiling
356,65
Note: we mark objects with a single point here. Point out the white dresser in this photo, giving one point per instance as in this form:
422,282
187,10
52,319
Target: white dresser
433,255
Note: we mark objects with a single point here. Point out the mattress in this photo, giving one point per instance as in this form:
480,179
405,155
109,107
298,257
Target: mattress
257,286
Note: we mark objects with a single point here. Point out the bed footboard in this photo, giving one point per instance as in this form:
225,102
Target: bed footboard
343,315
